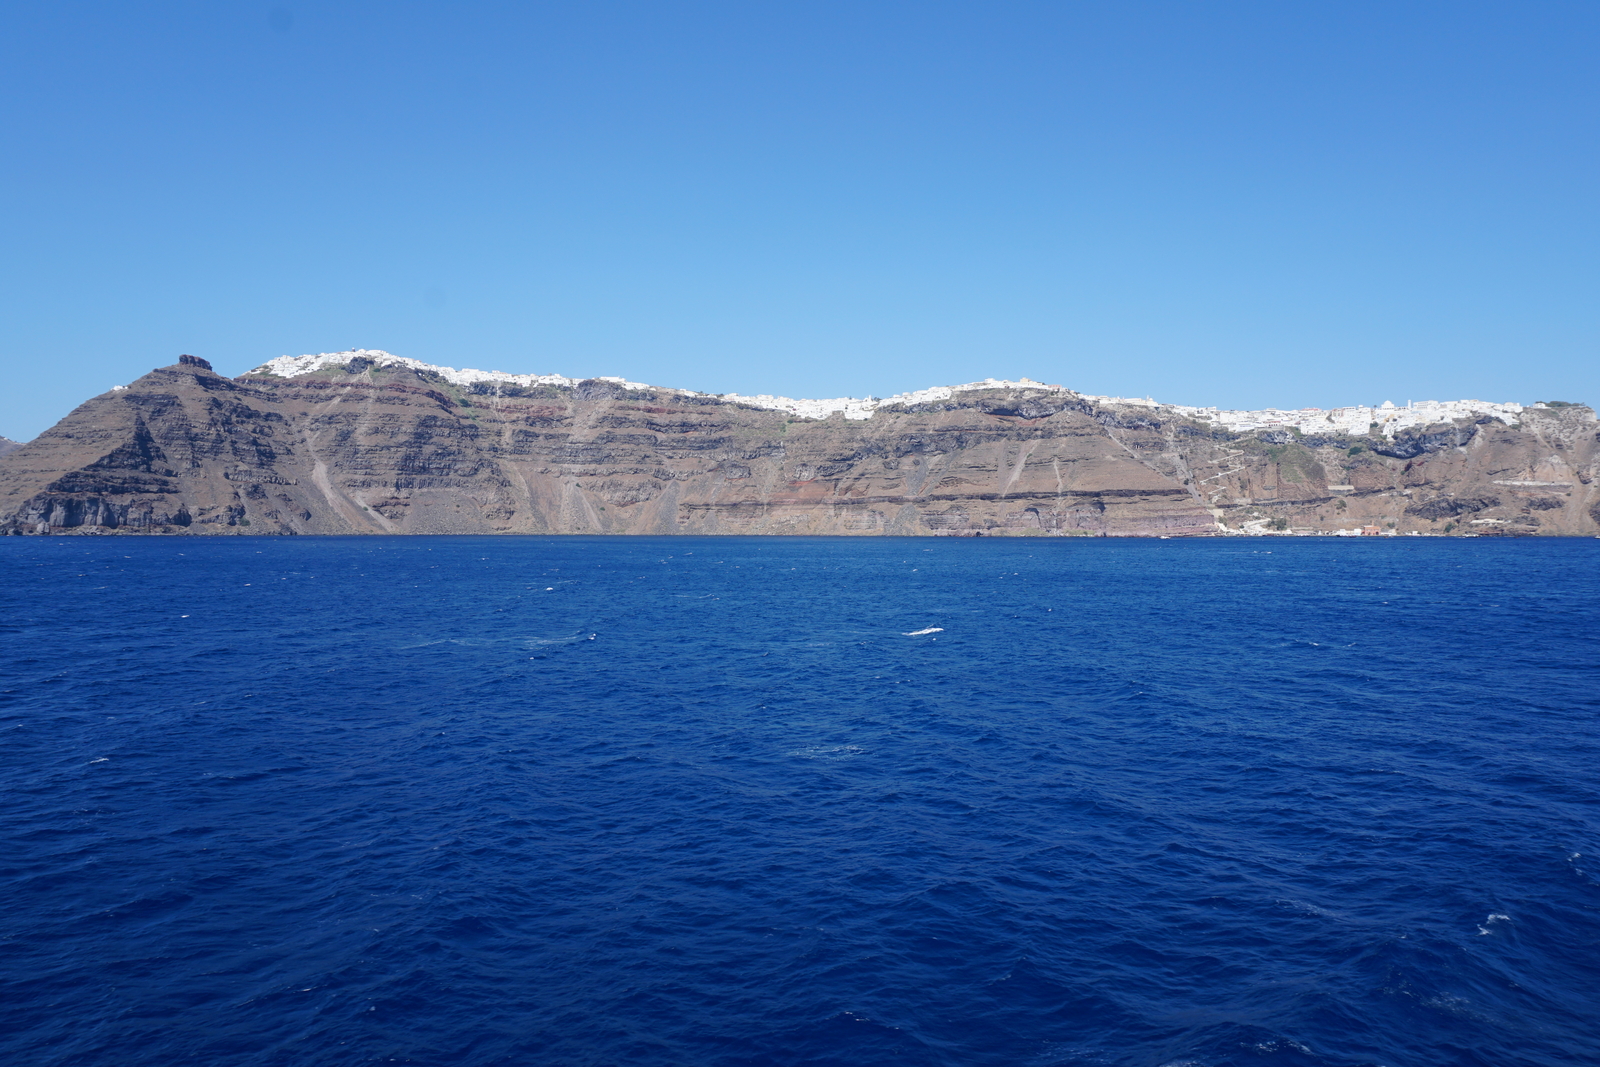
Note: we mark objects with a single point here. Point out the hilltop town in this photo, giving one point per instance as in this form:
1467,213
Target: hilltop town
363,441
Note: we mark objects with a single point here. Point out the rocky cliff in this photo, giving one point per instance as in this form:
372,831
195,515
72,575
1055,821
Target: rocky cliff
365,443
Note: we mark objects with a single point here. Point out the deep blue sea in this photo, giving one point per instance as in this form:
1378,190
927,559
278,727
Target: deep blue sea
716,801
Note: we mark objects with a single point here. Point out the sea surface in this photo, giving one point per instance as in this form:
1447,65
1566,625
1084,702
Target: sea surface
748,801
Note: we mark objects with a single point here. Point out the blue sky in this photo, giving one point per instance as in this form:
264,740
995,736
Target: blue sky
1217,202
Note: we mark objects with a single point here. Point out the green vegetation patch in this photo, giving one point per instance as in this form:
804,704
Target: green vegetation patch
1295,462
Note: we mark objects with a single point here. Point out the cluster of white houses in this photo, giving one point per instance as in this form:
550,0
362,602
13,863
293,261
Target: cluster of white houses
1386,417
1352,420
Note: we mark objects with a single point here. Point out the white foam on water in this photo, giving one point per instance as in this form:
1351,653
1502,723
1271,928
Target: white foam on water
1280,1044
535,642
824,752
929,630
1306,909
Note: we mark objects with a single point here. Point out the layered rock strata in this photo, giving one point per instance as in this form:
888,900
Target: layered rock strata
365,443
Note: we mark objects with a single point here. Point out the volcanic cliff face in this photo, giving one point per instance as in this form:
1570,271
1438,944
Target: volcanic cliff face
364,446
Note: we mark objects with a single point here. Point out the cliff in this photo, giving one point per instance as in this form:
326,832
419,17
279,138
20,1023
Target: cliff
368,443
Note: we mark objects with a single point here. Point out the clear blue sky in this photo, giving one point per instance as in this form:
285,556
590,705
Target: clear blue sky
1233,203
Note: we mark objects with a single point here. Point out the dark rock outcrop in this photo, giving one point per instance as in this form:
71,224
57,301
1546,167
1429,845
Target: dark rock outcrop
1449,507
1407,444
